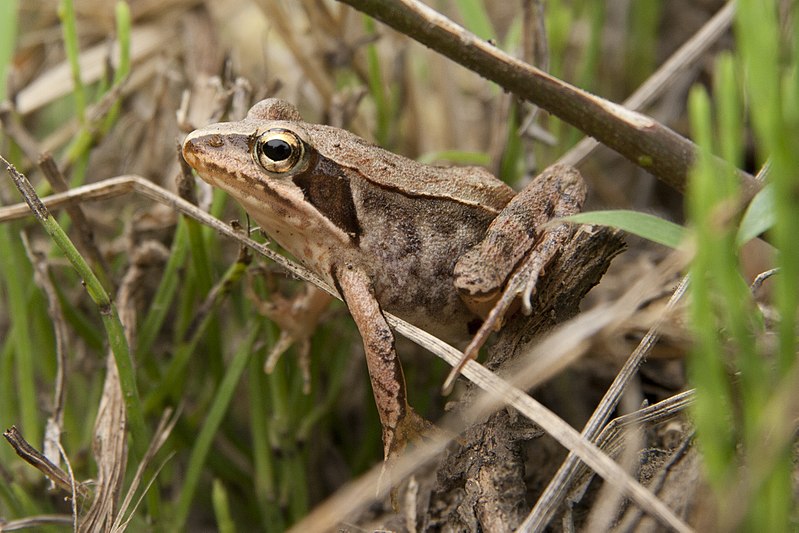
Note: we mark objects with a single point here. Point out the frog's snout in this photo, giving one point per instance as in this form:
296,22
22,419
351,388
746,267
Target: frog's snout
195,145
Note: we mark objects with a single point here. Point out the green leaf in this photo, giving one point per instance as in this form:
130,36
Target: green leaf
759,216
642,224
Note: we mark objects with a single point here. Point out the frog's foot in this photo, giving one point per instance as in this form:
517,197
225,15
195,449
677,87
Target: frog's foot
302,343
297,318
409,429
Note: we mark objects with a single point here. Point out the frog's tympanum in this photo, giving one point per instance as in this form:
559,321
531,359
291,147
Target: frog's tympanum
432,245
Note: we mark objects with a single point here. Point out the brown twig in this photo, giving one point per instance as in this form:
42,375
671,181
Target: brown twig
639,138
36,459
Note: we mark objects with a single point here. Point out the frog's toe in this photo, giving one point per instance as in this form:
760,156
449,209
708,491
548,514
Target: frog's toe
409,428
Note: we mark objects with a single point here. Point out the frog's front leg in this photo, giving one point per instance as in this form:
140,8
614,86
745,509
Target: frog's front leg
400,423
297,318
515,250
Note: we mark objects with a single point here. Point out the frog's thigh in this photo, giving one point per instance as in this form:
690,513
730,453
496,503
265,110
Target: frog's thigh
385,372
556,192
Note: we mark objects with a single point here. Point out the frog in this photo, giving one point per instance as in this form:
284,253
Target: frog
433,245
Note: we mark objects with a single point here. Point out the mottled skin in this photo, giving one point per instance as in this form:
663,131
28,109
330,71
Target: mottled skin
387,231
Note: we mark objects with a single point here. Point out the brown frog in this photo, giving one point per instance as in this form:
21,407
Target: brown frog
433,245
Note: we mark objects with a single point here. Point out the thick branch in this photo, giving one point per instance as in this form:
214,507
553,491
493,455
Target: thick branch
641,139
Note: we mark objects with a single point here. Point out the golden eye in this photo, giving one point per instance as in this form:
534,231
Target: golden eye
279,150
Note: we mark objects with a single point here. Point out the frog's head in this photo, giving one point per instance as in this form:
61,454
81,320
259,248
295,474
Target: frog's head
269,144
268,163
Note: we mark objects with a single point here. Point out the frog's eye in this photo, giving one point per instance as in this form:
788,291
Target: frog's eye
279,151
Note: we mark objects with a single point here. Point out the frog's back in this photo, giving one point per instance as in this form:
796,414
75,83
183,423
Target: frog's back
473,186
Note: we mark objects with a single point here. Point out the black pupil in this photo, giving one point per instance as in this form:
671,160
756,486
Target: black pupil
277,149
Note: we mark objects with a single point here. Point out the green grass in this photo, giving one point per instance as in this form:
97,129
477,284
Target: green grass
737,377
773,110
216,413
740,380
8,35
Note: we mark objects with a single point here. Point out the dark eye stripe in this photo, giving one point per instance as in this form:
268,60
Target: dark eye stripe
328,190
